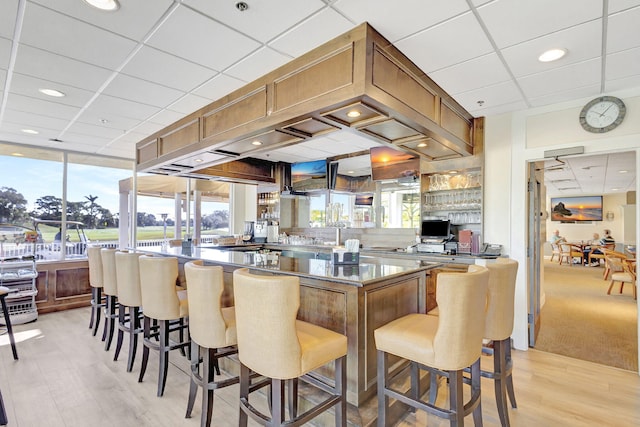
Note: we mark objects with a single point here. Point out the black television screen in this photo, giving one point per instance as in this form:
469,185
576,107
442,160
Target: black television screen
365,199
579,208
388,163
309,174
436,229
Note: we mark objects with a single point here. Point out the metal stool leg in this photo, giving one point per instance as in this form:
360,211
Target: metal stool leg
7,321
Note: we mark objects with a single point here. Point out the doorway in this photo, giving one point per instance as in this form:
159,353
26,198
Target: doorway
576,316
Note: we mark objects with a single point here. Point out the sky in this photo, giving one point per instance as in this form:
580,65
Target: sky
37,178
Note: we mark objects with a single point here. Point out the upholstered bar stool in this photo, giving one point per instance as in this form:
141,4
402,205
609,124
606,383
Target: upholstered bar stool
212,329
95,280
110,291
272,343
129,303
160,302
498,329
445,345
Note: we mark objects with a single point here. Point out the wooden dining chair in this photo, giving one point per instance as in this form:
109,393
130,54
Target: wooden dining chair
627,275
570,251
600,254
555,251
612,262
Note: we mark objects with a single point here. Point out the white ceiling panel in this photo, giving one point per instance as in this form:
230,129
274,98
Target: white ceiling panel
385,17
582,42
5,53
280,14
27,119
312,32
65,36
257,64
624,30
197,38
141,91
188,104
105,104
218,87
29,86
561,79
133,20
499,94
559,96
8,13
476,73
91,130
110,120
439,47
514,21
167,70
623,64
165,117
46,65
619,5
42,106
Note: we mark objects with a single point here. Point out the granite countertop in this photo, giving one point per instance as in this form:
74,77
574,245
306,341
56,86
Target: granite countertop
303,263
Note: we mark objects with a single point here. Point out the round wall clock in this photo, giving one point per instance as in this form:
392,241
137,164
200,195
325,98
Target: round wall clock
602,114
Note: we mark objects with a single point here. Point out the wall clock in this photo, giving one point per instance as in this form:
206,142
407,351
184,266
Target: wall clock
602,114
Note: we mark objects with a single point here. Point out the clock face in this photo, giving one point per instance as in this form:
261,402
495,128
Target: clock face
602,114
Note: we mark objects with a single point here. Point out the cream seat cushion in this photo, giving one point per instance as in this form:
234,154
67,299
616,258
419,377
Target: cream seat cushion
410,337
318,345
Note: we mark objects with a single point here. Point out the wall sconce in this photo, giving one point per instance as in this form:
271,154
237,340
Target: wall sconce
609,216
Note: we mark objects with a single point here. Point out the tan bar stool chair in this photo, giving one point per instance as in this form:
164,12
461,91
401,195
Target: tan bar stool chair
445,345
110,291
160,302
212,329
272,343
95,280
129,303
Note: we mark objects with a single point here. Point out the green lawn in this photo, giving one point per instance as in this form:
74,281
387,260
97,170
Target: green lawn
111,234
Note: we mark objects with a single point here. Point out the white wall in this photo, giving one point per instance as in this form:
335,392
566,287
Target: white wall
513,140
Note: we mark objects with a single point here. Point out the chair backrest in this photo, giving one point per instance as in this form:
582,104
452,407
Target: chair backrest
158,276
206,322
462,301
500,299
109,281
266,310
95,266
128,277
613,259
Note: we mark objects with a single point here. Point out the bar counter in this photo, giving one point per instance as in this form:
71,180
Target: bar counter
350,299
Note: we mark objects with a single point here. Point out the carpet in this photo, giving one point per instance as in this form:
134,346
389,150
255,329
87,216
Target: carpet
581,321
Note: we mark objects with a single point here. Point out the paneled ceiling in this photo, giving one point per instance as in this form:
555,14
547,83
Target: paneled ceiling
129,73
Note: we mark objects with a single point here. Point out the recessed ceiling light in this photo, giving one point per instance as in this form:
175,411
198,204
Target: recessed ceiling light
30,131
623,171
552,55
256,143
422,144
350,172
52,92
453,172
108,5
615,189
17,154
353,113
198,160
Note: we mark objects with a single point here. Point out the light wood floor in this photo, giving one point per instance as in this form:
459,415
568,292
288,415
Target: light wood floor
65,378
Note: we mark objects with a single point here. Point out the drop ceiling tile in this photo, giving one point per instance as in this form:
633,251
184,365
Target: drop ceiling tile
141,91
279,14
429,51
134,19
92,117
311,33
130,138
565,95
49,66
5,53
218,87
479,72
257,64
623,31
90,140
224,48
90,130
395,24
496,109
41,106
128,151
561,79
8,12
147,128
166,117
618,5
622,84
167,70
26,119
511,21
623,64
29,86
72,38
107,105
582,42
188,104
493,96
42,137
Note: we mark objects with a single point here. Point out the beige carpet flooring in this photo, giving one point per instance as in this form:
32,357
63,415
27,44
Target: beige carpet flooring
581,321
